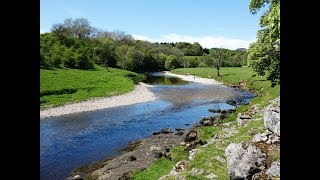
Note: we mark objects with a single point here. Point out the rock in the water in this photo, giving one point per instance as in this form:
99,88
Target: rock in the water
260,176
272,116
157,132
244,160
166,131
274,170
232,102
214,110
191,136
179,129
195,171
260,137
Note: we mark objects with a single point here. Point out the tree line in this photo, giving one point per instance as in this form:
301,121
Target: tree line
76,44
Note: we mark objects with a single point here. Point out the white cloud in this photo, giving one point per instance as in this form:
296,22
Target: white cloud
204,41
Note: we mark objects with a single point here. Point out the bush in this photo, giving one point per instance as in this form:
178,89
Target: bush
202,64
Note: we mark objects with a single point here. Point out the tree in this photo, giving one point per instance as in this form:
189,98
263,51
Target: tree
264,55
217,52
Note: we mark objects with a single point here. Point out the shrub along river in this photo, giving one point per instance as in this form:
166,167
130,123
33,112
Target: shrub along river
68,141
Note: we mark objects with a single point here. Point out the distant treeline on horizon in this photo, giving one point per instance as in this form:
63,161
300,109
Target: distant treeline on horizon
76,44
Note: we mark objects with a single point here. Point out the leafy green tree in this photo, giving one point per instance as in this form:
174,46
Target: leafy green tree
69,58
104,49
264,55
171,62
84,58
120,54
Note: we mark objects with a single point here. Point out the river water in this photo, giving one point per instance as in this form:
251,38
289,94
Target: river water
72,140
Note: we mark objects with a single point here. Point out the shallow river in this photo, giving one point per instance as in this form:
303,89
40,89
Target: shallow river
72,140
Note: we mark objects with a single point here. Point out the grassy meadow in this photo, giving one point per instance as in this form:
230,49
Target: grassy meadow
60,86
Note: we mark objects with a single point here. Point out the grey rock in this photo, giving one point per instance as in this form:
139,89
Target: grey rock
195,171
244,160
157,132
179,177
244,116
166,131
273,139
232,102
179,129
211,176
274,170
272,116
214,110
180,166
260,137
180,133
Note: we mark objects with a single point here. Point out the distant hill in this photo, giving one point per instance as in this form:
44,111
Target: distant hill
241,49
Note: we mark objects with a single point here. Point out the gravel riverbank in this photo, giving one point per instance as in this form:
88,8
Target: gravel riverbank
140,94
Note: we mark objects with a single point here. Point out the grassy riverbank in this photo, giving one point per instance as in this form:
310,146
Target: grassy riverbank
60,86
206,157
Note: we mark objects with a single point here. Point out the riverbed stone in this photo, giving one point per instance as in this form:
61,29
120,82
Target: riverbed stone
244,160
157,132
232,102
166,131
214,110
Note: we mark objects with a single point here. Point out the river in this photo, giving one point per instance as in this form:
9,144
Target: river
68,141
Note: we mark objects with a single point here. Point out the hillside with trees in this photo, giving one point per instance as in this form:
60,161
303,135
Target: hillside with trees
76,44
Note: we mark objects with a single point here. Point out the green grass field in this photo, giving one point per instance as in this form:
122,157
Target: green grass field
206,157
60,86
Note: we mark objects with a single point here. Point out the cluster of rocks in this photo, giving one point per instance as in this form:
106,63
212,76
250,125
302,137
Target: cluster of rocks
248,160
215,120
178,131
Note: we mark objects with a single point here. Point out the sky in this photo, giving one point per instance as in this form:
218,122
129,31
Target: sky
212,23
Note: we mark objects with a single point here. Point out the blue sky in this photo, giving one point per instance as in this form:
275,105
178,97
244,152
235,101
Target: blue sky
212,23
